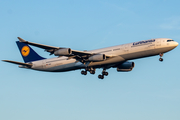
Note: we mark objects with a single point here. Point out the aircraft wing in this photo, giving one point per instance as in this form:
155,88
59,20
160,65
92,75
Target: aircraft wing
46,47
78,55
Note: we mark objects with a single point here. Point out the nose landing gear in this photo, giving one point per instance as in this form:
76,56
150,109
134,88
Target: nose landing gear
161,59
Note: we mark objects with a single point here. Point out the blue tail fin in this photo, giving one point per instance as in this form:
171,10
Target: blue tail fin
28,53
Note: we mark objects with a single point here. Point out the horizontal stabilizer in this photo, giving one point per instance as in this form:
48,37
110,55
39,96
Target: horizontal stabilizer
18,63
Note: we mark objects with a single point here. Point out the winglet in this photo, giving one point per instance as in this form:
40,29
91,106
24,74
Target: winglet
21,40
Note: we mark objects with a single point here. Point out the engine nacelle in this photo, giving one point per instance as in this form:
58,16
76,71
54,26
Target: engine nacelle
125,67
63,52
96,58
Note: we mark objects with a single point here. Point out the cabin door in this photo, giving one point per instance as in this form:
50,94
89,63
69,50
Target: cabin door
158,44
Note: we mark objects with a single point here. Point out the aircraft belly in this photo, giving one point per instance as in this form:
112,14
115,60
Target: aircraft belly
67,67
138,54
163,49
113,60
146,53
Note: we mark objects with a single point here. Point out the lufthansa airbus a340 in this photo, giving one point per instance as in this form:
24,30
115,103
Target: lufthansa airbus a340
111,57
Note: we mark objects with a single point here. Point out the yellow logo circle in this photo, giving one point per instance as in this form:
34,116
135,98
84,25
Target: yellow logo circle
25,51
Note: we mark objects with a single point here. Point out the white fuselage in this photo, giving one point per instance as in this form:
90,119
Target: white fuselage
117,55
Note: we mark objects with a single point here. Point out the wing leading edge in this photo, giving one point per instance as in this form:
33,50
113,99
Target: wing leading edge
52,48
81,56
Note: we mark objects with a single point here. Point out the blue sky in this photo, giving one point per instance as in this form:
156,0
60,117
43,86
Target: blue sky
149,92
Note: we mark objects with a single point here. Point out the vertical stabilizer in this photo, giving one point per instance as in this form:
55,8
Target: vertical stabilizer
28,53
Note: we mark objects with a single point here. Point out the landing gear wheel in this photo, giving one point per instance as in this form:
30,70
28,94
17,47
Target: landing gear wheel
161,59
161,55
101,76
84,72
92,72
105,73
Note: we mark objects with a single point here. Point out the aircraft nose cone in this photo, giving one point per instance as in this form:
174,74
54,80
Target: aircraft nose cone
176,44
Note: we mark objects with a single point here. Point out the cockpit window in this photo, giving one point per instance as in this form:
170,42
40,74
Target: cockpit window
169,40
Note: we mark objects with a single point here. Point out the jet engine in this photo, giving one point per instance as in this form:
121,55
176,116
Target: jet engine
97,58
63,52
125,67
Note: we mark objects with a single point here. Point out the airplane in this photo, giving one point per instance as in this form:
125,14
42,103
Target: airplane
111,57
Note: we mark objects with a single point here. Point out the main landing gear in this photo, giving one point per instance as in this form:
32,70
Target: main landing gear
161,59
91,71
84,72
104,73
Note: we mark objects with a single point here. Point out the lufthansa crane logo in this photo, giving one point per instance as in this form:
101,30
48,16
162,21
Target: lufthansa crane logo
25,51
